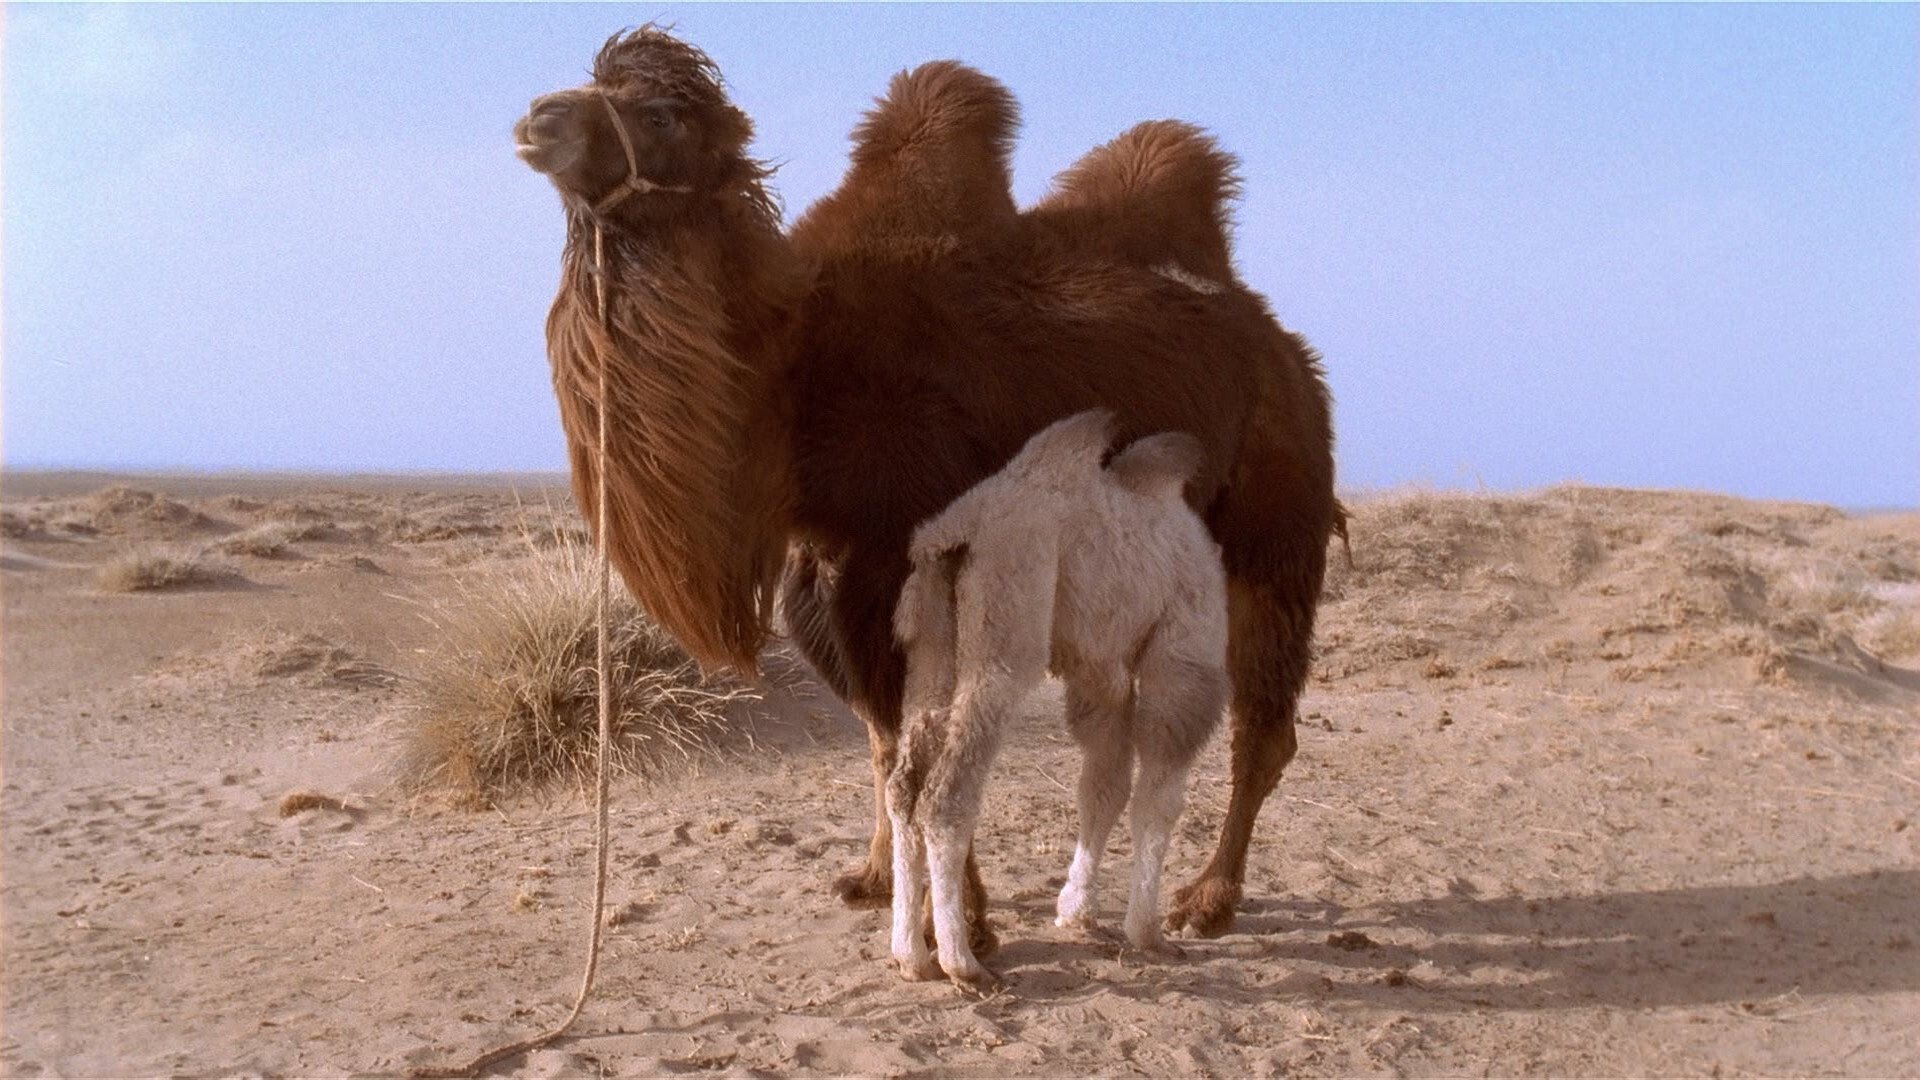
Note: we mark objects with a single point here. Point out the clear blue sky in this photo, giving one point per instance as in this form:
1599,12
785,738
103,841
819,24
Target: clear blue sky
1641,245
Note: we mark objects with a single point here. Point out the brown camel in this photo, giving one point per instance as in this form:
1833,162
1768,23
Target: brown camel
806,400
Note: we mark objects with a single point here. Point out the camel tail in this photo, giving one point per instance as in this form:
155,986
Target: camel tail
1158,194
1340,520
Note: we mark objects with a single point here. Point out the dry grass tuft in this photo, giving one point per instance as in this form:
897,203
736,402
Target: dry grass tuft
268,541
1893,633
123,509
506,703
146,569
299,802
17,526
273,539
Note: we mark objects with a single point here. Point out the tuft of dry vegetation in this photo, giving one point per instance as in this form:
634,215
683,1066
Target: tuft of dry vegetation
122,509
1651,583
19,526
506,703
146,569
1894,632
274,538
268,541
299,802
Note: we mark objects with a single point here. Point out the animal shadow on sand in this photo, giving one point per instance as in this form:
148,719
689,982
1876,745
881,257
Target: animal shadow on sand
1735,945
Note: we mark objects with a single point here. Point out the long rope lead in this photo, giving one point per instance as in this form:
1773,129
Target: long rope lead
604,679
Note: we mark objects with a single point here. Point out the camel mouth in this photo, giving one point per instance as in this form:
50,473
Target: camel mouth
547,138
547,156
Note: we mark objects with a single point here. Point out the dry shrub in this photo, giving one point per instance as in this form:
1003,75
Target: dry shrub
506,701
1831,588
267,541
272,538
124,509
309,657
144,569
1894,633
17,526
299,802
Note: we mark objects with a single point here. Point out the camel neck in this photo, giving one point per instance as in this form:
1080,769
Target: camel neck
696,344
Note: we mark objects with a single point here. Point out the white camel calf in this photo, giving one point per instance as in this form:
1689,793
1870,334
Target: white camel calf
1103,575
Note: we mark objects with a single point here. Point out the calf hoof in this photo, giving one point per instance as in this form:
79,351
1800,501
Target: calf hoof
920,969
1204,908
1154,945
865,888
977,980
1073,910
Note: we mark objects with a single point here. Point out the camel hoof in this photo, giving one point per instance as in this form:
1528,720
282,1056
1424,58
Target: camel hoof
1082,921
863,889
981,938
1203,909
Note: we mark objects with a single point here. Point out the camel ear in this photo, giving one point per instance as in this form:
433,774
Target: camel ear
1159,464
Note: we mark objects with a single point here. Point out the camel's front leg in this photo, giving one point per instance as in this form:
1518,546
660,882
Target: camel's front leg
870,671
870,885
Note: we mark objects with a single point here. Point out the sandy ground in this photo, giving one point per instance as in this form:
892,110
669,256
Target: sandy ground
1591,782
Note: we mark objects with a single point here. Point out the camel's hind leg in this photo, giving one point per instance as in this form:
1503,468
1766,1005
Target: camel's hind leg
1268,655
1177,707
1097,716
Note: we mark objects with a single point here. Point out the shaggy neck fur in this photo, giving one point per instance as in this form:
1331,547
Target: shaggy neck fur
699,290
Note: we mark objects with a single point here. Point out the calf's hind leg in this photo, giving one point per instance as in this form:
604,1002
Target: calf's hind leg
1097,719
948,810
919,745
1268,653
1176,709
860,617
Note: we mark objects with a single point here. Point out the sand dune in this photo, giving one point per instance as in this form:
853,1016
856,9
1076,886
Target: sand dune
1591,782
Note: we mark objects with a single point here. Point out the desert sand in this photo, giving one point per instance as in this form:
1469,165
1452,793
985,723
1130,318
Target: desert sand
1591,782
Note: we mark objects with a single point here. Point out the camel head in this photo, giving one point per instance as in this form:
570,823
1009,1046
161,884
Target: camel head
653,125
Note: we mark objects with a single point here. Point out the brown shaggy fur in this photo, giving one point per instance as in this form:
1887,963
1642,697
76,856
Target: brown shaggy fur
1158,193
834,389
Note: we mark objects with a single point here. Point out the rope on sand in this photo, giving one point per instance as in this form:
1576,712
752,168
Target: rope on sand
601,832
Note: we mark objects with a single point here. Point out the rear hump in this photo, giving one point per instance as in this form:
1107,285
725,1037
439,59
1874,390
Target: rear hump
1157,196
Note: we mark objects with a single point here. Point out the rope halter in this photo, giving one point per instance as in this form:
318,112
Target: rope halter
634,184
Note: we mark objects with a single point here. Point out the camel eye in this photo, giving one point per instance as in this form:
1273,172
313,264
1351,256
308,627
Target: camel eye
658,114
